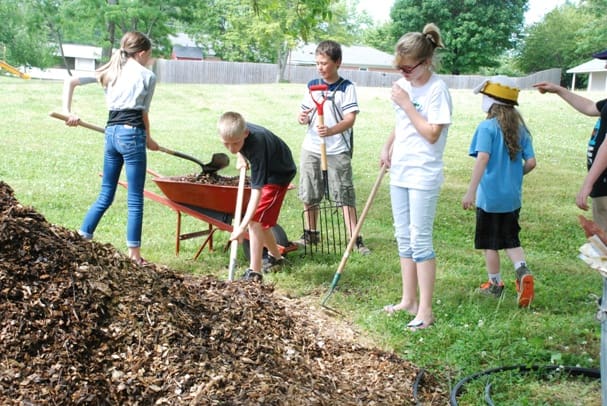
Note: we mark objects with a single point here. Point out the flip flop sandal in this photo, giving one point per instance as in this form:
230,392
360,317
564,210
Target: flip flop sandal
415,325
390,309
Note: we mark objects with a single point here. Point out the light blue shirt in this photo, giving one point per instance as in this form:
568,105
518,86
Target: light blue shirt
500,188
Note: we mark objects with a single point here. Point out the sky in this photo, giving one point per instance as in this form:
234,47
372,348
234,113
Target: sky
380,9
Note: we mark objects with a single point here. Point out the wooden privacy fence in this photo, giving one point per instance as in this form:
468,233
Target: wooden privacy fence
217,72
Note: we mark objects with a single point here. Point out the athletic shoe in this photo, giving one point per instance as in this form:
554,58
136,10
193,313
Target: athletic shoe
360,246
309,237
251,275
492,289
270,263
524,286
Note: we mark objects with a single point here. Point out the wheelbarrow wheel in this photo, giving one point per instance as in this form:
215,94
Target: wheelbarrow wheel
279,235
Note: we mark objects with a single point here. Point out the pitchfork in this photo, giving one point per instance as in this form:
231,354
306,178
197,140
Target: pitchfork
332,228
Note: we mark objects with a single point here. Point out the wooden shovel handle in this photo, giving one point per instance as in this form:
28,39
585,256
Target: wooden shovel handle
80,123
237,215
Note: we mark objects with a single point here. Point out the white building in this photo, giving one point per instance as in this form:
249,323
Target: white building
597,74
353,57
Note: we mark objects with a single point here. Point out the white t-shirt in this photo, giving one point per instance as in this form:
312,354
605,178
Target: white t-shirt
344,99
415,162
133,89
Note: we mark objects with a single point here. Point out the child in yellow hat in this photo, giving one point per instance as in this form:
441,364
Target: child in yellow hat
504,153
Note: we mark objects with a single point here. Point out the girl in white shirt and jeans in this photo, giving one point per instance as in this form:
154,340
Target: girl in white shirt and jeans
129,87
414,155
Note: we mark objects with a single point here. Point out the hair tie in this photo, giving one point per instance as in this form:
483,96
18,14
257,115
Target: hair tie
431,39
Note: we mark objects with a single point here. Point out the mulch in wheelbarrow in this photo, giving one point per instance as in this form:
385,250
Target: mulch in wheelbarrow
82,324
210,179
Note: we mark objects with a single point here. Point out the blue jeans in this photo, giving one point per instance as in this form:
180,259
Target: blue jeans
413,211
124,145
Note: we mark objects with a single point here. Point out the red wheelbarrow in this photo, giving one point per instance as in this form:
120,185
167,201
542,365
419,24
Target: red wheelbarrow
213,204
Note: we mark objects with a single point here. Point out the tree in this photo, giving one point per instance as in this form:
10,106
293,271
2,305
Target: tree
23,34
475,32
556,42
267,30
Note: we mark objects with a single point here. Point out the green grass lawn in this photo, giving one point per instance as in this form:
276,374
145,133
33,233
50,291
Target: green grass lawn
55,169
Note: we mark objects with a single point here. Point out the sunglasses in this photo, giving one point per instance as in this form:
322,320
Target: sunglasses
409,69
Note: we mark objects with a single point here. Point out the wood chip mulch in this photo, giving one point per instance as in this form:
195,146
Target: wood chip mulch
210,179
82,324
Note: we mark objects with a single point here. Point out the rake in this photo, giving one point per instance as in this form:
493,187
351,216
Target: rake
325,217
352,242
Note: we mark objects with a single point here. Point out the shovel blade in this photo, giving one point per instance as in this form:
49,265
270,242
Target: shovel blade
219,160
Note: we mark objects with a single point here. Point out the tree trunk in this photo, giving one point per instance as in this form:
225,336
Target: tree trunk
60,42
111,35
283,57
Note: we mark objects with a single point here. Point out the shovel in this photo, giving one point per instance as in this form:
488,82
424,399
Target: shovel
237,218
218,160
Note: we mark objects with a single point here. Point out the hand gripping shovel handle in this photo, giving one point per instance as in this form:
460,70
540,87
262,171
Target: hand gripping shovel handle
80,123
237,214
219,161
359,224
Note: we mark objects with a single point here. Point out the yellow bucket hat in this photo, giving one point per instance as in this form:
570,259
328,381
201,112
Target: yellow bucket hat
501,88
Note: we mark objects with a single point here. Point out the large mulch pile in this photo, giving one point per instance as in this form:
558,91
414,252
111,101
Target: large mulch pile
82,324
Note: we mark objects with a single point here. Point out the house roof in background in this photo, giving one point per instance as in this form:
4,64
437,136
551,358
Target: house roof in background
594,65
182,39
81,51
187,52
351,56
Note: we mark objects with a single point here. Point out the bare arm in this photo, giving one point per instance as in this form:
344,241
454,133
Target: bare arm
386,151
469,199
581,104
598,167
68,92
254,200
69,85
529,165
150,143
431,132
340,127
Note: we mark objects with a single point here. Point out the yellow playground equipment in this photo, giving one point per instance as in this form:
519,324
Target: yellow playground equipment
13,70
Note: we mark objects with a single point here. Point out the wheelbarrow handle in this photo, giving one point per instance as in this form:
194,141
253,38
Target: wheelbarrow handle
80,122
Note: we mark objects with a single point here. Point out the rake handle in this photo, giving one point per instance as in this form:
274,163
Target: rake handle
331,289
361,219
359,224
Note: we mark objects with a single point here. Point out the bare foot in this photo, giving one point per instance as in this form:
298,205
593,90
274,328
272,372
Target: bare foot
391,308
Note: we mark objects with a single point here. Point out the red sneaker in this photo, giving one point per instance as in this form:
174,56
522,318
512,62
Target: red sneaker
524,286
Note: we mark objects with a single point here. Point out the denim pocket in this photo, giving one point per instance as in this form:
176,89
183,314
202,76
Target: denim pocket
130,140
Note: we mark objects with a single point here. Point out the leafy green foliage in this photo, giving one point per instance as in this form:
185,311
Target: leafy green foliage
475,32
566,37
23,34
560,39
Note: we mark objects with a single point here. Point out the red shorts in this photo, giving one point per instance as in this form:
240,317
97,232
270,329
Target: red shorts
270,203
